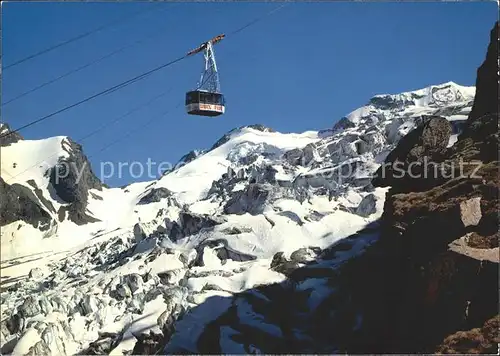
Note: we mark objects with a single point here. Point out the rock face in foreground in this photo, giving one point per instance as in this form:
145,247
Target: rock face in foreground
483,340
416,156
439,272
485,110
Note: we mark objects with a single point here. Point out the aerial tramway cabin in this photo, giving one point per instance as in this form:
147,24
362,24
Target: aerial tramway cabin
205,103
206,99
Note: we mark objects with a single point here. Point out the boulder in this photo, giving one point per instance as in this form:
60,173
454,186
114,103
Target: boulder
89,304
342,124
149,344
123,291
192,223
45,305
408,167
155,196
484,340
470,211
13,324
250,200
40,348
304,254
35,273
367,206
30,307
308,154
104,344
293,157
133,281
139,233
278,259
172,277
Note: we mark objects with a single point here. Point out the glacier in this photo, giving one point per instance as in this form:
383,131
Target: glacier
170,256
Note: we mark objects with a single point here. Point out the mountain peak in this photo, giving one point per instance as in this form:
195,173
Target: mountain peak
6,140
441,94
447,99
227,136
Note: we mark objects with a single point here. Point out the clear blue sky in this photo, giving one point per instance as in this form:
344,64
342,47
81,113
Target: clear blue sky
302,68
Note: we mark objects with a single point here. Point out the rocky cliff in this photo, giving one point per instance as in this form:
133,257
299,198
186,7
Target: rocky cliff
7,136
62,191
436,264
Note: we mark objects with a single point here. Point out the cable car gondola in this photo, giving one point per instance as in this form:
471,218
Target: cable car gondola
204,103
206,99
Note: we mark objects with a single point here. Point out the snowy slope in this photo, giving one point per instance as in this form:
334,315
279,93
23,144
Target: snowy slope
26,167
22,162
192,181
30,159
242,214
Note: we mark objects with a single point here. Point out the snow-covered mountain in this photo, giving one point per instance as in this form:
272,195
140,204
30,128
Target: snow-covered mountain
91,268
